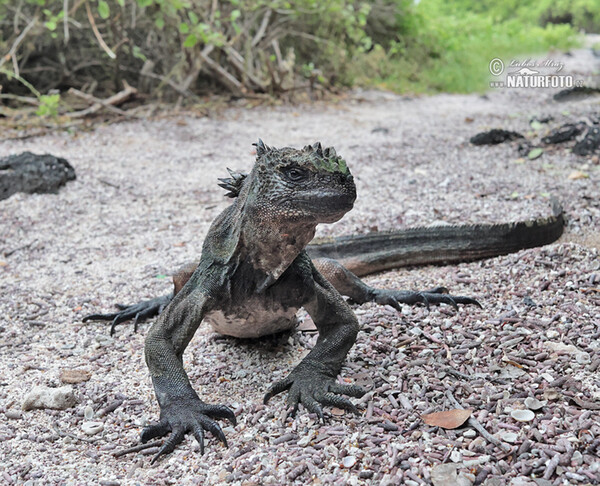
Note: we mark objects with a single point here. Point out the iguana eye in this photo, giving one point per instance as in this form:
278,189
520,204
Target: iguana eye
295,174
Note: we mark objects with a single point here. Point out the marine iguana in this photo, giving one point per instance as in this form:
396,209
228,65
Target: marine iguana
256,271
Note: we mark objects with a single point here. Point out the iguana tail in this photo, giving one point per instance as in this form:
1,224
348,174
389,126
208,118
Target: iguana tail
375,252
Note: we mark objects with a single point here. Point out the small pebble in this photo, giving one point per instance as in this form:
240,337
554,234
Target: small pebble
13,414
349,461
92,428
522,415
534,404
88,412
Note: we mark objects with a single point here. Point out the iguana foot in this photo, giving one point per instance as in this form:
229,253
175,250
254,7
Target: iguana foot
438,295
313,387
139,312
187,415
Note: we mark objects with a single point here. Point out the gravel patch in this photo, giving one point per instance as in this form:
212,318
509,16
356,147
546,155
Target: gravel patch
146,191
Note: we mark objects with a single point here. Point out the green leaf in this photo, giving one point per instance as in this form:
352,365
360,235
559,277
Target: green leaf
103,9
159,22
184,28
190,41
121,3
535,153
193,17
235,14
161,276
50,25
536,125
137,53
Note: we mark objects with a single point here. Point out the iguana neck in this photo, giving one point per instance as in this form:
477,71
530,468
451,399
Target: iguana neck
270,246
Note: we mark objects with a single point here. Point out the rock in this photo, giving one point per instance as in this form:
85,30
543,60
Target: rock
348,461
583,358
32,173
576,93
13,414
444,475
55,398
494,137
92,428
590,143
560,348
564,133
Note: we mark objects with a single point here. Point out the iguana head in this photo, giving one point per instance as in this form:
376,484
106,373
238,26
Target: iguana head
311,185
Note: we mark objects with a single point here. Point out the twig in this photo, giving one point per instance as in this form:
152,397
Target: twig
25,136
263,27
106,49
473,422
18,40
66,20
108,103
137,448
226,78
238,61
22,99
72,436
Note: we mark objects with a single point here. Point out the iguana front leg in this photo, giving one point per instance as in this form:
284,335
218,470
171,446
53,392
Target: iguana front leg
348,284
146,308
313,382
181,410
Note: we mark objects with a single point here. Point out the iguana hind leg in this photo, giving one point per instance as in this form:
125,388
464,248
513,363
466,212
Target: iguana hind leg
348,284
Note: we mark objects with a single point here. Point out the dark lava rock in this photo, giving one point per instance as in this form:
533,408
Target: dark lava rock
564,133
576,93
32,173
494,137
590,143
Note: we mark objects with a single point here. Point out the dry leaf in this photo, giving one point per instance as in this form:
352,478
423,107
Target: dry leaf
577,174
450,419
74,376
307,325
338,412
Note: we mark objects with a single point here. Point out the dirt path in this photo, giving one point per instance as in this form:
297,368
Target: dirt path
143,199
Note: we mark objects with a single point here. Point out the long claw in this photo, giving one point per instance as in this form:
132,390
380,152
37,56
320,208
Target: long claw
313,406
155,430
276,388
221,411
170,444
199,435
334,400
214,428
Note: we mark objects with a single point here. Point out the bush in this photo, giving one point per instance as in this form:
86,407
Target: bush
180,46
173,48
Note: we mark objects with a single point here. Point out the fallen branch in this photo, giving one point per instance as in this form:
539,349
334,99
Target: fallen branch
109,103
473,422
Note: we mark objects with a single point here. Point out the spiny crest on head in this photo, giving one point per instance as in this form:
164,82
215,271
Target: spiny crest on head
327,159
262,148
234,183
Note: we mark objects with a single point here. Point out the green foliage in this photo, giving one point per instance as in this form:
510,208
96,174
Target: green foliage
174,47
447,46
48,105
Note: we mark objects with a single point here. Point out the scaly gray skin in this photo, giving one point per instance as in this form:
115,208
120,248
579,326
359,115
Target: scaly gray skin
253,276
